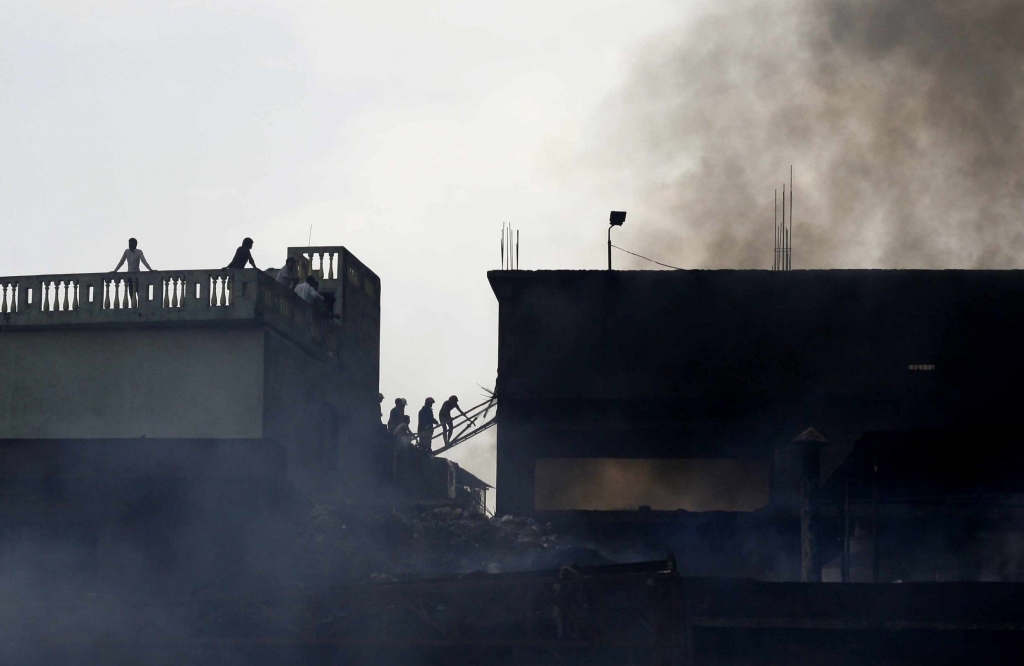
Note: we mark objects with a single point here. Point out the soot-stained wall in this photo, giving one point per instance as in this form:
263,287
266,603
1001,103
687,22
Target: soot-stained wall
704,364
201,382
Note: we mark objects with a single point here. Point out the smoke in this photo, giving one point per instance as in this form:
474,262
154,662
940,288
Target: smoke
903,119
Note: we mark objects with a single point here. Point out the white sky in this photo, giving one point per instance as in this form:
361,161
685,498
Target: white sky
406,131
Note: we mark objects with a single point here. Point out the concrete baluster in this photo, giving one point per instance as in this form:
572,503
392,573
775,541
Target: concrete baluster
3,298
44,288
62,294
75,305
106,300
228,283
330,266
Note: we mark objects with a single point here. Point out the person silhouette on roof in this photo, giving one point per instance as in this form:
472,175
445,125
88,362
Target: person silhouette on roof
243,256
133,255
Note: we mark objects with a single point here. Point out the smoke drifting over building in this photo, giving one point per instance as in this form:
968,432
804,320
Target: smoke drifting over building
902,118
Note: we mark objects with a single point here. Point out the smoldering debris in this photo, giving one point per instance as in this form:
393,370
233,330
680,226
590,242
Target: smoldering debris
340,545
902,119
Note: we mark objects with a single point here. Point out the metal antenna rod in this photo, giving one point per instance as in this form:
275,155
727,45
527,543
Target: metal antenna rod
790,253
783,226
775,253
517,249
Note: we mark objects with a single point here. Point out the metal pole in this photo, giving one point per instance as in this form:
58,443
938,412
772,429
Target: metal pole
610,247
876,562
846,531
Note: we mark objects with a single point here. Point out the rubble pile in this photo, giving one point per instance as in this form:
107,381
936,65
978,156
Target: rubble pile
338,545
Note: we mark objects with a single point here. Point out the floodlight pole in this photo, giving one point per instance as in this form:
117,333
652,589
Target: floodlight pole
610,246
615,219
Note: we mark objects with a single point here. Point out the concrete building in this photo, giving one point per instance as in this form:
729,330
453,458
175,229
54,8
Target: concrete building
685,389
188,356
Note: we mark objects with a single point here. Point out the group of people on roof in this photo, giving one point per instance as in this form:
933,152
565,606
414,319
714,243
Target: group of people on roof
287,276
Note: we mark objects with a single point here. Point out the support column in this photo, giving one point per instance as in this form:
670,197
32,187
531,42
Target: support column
795,493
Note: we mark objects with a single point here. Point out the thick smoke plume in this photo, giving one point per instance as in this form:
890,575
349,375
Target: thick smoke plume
904,120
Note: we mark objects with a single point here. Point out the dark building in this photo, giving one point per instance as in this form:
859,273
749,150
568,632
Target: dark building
939,504
710,374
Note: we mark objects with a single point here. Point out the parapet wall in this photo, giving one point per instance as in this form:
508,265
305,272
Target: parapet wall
166,298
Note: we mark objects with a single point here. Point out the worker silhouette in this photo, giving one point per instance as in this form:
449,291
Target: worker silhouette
243,256
397,414
307,291
447,422
425,424
403,432
133,256
289,274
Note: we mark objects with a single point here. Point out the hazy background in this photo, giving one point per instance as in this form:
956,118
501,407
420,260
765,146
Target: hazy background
406,131
409,132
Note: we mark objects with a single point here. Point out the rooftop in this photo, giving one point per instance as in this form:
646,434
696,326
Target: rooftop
169,298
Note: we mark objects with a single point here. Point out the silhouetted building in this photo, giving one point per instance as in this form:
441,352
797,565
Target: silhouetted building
685,389
198,356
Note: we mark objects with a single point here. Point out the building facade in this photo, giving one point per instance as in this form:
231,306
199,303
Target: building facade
726,365
194,355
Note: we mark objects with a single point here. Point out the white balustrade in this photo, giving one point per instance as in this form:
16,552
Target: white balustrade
173,290
58,294
220,290
120,293
8,297
323,261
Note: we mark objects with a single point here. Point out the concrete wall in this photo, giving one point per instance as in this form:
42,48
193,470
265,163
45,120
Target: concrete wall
304,410
171,382
705,364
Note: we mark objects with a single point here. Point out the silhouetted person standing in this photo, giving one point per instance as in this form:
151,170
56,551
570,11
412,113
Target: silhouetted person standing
425,424
403,432
243,255
288,275
397,414
447,425
133,256
307,291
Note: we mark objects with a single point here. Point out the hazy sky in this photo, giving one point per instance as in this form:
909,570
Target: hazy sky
406,131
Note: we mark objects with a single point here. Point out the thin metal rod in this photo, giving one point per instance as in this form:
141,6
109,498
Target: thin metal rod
789,254
609,247
775,228
875,555
503,246
517,249
846,531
